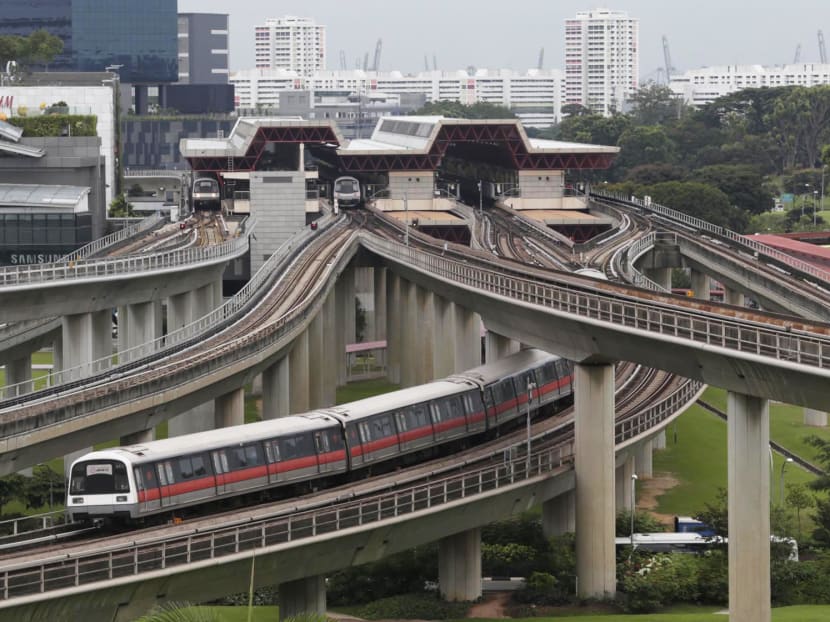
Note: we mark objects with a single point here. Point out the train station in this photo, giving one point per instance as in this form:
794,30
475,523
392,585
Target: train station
419,168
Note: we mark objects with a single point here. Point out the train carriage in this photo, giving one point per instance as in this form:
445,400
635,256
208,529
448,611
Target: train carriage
160,477
504,383
206,194
347,191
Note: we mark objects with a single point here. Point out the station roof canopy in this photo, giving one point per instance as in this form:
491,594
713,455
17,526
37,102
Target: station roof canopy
416,143
32,197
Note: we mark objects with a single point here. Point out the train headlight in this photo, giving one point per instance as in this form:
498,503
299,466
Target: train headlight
77,499
121,498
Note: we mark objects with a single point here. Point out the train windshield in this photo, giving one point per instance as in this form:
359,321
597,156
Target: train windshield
205,186
346,186
99,477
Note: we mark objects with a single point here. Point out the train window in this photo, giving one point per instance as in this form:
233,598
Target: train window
272,451
365,437
199,466
335,439
168,470
162,476
185,468
382,427
145,477
473,402
489,399
298,446
99,477
400,419
547,372
417,416
322,442
220,461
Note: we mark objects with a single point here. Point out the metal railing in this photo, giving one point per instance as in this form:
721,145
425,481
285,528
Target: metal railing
120,266
702,225
34,522
114,238
811,349
639,248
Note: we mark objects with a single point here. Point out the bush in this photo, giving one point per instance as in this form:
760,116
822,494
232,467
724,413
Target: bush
543,589
649,583
57,125
413,606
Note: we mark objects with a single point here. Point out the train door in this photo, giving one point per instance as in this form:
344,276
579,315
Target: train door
476,416
354,446
165,477
147,488
330,454
490,407
220,468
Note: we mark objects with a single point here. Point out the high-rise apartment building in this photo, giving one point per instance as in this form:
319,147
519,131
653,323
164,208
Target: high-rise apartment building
293,43
601,59
203,48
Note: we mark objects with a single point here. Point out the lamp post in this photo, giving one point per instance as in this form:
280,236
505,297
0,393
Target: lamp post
821,203
815,202
781,485
530,386
405,220
480,197
807,192
633,507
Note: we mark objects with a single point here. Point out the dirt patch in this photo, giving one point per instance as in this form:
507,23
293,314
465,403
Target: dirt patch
650,490
492,606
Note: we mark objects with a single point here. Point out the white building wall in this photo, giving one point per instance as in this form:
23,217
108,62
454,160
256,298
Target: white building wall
293,43
702,86
535,95
278,203
85,100
601,59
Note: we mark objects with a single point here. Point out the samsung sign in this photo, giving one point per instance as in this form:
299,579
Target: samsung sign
23,259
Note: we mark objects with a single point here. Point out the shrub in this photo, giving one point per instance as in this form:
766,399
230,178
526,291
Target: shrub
57,125
413,606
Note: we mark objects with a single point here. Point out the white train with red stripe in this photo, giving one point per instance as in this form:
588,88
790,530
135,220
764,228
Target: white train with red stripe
161,477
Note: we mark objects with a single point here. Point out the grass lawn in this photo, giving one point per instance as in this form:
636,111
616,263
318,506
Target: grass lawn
784,614
786,424
695,455
240,614
365,388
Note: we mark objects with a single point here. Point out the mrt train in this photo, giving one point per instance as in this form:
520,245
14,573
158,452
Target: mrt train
347,191
206,194
127,484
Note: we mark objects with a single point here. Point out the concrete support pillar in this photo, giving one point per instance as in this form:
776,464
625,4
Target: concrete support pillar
659,441
276,382
815,418
394,336
180,313
85,337
749,530
734,297
444,352
230,408
594,448
459,566
700,284
122,329
57,355
19,372
303,596
661,276
425,310
468,341
298,397
218,296
559,515
329,365
203,301
349,306
380,279
410,339
137,438
498,347
645,467
345,322
142,325
316,356
624,492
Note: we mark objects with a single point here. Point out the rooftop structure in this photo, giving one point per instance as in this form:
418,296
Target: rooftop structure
203,48
43,198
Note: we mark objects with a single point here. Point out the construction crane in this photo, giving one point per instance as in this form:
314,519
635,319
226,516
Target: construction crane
426,63
376,62
540,65
667,59
342,60
822,49
797,57
366,61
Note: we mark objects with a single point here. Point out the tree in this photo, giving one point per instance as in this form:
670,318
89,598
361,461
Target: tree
120,207
799,499
575,110
744,185
11,487
42,47
698,200
45,487
641,145
822,483
648,174
455,110
654,104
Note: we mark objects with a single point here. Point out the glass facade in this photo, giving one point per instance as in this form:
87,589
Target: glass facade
141,36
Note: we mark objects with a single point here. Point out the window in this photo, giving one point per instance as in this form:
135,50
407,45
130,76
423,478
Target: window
185,468
99,477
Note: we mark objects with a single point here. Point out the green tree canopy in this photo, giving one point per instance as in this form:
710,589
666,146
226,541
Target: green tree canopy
699,200
654,104
646,144
455,110
744,185
40,47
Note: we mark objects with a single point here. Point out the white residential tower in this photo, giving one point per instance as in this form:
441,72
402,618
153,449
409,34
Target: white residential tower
291,43
601,59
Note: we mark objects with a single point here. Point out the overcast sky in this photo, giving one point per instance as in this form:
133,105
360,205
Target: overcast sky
510,33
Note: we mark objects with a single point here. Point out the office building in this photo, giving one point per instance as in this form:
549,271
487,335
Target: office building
203,48
138,36
601,60
701,86
291,43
